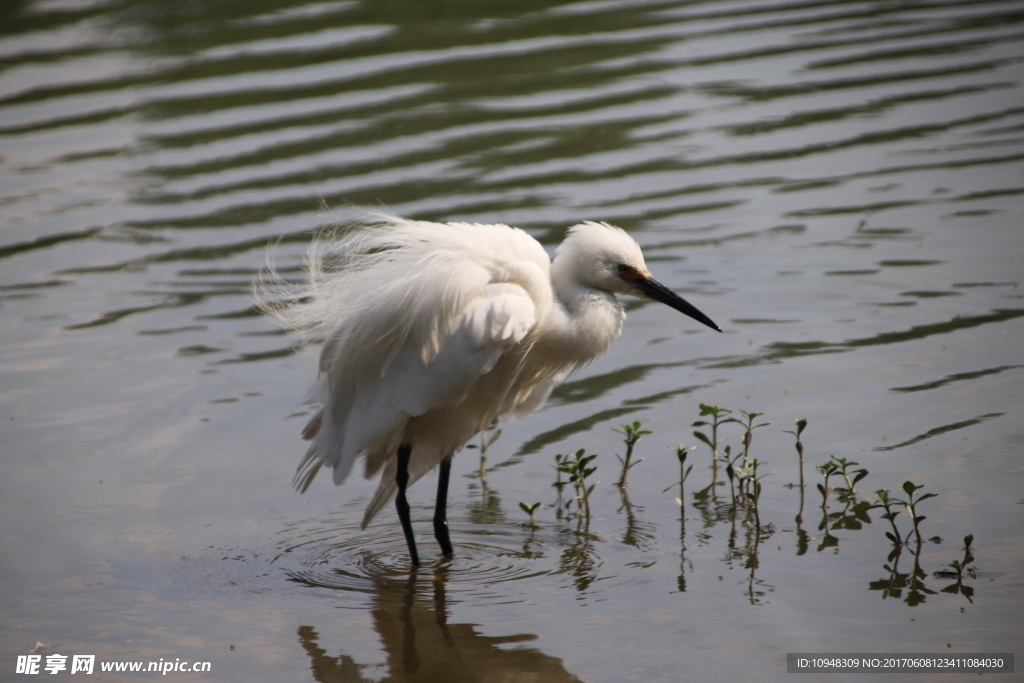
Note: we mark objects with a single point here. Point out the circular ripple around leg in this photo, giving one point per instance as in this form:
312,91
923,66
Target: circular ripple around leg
330,553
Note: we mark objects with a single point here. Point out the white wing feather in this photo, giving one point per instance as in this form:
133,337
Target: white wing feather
415,313
490,326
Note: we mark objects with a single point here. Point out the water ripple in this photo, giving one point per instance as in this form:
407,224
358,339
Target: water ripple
335,554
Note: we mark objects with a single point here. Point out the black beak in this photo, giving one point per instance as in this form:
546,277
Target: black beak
652,289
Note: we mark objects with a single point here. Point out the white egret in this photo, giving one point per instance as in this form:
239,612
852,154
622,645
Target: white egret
431,331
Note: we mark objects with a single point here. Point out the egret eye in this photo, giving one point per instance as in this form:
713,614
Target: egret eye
624,269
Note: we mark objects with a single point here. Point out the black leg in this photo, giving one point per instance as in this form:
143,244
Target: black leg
402,505
441,507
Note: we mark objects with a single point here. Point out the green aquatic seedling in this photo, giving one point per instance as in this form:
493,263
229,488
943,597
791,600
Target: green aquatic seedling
748,435
559,484
884,501
684,472
960,566
828,469
802,539
485,442
752,484
911,506
633,434
731,472
844,466
801,425
530,510
717,418
576,467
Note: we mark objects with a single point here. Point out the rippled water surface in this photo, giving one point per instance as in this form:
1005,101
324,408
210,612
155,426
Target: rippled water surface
839,185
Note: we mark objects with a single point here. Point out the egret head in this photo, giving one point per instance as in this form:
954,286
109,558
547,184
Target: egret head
606,258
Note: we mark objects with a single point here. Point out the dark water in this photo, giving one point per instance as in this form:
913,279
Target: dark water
840,185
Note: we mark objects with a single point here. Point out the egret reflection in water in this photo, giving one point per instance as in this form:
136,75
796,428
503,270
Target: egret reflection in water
411,619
